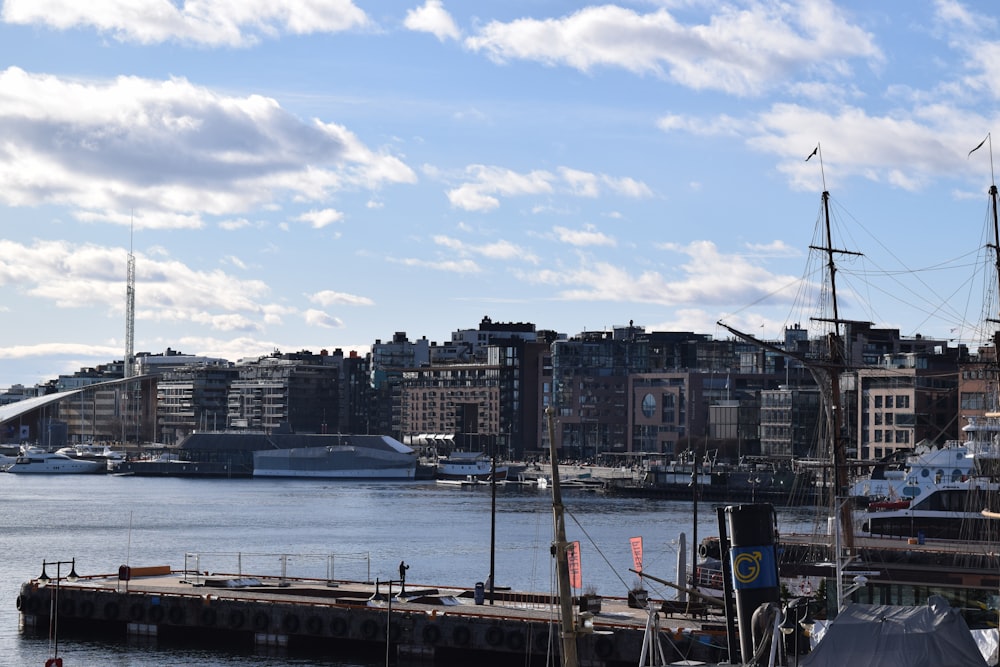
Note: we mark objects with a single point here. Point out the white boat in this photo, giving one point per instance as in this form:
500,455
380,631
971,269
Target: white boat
469,467
928,468
347,457
33,462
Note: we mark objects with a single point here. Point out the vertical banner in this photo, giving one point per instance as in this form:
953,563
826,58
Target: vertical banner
573,559
636,543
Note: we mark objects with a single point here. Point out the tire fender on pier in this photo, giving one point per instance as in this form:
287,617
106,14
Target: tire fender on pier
461,635
236,619
86,609
369,629
339,626
261,622
515,640
208,617
494,635
290,623
314,625
431,633
111,610
176,614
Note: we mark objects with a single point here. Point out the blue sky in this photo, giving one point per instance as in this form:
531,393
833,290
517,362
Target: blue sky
308,174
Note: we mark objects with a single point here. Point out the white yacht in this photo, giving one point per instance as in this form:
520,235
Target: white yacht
35,461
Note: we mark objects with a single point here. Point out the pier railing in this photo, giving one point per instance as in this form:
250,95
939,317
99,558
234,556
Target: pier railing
332,567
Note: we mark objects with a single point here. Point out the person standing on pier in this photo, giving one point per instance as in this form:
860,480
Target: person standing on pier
403,567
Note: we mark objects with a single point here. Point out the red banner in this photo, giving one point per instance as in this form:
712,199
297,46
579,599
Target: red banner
575,570
636,543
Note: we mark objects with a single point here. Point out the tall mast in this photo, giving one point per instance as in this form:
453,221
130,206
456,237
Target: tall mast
130,308
560,547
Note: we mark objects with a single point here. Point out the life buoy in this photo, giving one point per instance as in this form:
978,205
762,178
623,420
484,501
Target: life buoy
461,635
431,633
236,619
604,647
86,609
494,635
369,629
261,622
111,610
339,626
176,614
290,623
208,617
314,625
515,640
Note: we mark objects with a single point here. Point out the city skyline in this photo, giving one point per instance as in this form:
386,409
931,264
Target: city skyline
306,175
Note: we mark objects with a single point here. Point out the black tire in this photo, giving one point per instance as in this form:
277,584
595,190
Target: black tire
261,622
369,629
86,609
111,611
494,635
338,626
176,614
208,617
137,611
515,640
314,625
431,633
156,614
290,624
461,635
236,619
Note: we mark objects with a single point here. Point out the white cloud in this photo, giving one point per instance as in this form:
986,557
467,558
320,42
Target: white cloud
330,298
320,319
71,275
449,265
489,183
433,18
502,250
707,277
744,48
206,22
588,236
321,218
170,151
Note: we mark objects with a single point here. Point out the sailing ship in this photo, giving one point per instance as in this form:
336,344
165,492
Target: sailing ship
904,541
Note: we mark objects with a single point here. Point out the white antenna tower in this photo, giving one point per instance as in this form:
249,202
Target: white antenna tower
130,307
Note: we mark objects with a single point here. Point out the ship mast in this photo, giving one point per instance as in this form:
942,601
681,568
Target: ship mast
560,547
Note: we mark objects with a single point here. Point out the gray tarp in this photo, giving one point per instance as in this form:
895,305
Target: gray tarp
863,635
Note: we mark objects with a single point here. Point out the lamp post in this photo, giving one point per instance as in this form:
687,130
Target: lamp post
796,619
43,581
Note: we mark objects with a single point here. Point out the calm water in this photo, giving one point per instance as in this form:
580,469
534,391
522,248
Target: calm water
443,533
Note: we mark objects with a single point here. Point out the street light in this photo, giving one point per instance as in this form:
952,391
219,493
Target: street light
796,619
43,581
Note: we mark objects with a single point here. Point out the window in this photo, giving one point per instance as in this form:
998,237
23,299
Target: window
888,401
878,401
648,406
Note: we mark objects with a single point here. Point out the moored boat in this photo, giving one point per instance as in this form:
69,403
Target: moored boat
469,467
36,462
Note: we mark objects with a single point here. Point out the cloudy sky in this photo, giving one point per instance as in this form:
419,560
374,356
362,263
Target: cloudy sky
308,174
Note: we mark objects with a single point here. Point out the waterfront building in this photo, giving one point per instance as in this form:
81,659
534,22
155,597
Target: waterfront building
296,390
910,398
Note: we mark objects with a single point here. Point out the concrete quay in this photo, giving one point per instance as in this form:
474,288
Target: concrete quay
429,624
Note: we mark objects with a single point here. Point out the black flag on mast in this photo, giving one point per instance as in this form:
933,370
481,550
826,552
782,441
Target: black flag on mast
815,150
979,146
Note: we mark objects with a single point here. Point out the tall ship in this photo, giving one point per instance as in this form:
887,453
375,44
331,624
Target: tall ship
339,457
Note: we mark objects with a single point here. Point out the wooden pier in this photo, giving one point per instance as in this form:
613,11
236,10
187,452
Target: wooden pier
432,624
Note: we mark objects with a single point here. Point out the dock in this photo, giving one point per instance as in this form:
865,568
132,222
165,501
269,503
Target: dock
431,624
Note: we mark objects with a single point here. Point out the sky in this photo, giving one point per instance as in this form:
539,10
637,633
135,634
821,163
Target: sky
320,174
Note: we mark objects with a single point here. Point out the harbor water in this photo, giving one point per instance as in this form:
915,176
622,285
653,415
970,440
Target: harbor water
306,528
